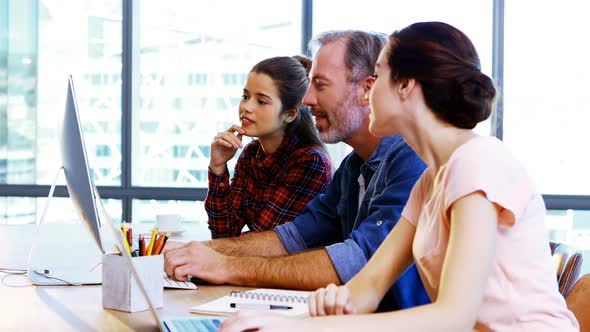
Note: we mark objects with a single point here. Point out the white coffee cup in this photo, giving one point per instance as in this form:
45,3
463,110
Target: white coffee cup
169,222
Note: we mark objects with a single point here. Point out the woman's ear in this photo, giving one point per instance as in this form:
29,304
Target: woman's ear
290,115
405,87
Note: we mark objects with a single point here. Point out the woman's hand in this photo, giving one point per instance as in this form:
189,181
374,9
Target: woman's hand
224,147
332,300
265,321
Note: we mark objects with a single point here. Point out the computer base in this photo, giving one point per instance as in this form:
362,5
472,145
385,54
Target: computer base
65,277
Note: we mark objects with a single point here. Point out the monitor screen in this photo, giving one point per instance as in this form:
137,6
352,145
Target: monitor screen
80,185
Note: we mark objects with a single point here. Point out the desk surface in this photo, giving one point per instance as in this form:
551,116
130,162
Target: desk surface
77,308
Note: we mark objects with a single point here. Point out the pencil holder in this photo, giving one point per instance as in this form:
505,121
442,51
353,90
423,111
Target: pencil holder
120,290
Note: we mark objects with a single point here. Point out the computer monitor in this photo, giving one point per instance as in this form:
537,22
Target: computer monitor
86,201
50,263
81,188
75,164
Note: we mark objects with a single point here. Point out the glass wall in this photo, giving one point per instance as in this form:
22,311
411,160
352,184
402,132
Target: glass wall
192,66
50,40
53,40
18,93
472,17
192,213
546,95
60,210
189,61
573,228
188,64
547,105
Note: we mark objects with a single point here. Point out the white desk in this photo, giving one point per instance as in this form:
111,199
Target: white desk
77,308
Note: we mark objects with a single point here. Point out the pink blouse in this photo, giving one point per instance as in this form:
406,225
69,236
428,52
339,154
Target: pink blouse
521,293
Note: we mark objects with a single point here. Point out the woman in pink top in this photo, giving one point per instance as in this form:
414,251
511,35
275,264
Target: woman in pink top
474,223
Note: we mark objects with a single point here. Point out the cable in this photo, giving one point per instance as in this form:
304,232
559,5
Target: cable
45,273
95,266
11,273
21,272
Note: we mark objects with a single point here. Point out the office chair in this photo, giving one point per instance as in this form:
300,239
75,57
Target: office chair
578,301
568,263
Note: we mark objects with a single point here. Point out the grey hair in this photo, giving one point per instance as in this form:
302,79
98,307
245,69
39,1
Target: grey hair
362,49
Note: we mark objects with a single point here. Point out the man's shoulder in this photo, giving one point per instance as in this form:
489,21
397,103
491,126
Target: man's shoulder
394,144
397,154
392,147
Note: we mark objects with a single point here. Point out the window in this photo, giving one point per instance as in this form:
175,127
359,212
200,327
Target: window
34,76
472,17
181,51
103,150
546,95
192,212
180,69
194,64
547,106
28,210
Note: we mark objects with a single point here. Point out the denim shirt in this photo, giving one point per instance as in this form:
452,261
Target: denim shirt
351,233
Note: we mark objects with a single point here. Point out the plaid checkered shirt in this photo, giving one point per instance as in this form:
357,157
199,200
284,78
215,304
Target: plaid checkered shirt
266,191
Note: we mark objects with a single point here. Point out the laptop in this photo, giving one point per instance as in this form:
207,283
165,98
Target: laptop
210,324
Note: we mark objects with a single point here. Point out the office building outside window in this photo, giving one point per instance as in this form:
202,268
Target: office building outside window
193,65
547,105
189,62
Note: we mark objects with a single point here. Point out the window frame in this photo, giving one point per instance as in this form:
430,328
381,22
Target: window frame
127,192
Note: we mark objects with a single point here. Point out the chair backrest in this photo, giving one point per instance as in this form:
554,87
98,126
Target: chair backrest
568,263
570,273
560,253
578,301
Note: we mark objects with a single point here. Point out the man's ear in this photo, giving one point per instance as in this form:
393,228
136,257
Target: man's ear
365,85
406,87
290,115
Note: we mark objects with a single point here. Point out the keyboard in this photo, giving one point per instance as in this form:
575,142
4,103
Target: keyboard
193,324
173,283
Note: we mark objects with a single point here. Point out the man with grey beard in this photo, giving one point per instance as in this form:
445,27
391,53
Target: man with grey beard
339,230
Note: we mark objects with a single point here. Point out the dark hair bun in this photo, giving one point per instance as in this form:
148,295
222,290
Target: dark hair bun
444,61
478,95
463,102
305,62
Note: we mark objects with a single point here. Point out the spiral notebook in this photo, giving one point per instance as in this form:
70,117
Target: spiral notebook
287,302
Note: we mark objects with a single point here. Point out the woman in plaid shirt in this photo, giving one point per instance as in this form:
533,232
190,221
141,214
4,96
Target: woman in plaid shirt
280,172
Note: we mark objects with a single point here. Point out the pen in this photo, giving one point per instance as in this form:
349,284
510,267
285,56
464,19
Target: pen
141,245
124,229
125,242
259,306
159,244
152,241
130,236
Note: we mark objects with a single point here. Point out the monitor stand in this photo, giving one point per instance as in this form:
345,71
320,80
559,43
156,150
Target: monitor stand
63,254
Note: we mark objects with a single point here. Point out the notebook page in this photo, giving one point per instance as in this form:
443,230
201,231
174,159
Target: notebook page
222,306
